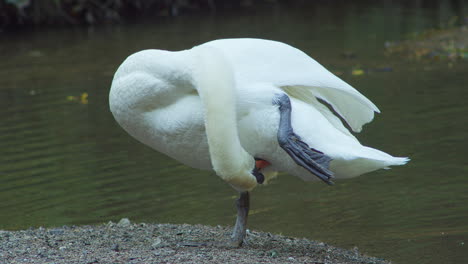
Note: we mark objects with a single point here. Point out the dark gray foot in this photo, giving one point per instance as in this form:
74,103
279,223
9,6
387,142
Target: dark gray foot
310,159
238,233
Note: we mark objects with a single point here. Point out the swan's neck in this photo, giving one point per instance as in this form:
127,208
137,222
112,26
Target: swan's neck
215,83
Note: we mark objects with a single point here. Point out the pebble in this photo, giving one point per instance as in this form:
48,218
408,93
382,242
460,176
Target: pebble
56,231
157,243
124,222
115,247
273,253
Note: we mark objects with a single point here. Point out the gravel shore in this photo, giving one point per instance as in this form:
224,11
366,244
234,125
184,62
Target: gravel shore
127,242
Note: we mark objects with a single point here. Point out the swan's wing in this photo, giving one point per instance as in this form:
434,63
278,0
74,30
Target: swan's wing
266,61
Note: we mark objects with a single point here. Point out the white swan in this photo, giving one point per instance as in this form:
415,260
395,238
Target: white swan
226,103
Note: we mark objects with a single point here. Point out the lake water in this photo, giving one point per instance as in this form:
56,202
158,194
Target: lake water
64,160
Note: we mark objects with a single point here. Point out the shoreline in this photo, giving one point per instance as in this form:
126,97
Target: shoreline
127,242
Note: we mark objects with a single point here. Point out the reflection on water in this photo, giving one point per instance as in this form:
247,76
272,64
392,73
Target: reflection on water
65,162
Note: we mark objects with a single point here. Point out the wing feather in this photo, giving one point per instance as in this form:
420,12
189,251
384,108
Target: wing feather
266,61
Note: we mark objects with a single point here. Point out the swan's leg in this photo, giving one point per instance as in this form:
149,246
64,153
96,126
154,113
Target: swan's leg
238,233
311,159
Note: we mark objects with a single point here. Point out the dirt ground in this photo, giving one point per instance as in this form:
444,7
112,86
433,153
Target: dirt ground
127,242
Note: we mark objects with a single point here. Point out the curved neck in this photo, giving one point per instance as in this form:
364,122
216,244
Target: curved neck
215,83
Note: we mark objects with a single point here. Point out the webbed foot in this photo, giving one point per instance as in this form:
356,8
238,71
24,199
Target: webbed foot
316,162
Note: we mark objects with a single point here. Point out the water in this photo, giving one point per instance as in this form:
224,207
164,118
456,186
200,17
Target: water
67,162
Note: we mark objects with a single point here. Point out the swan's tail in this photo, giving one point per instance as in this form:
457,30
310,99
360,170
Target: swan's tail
367,160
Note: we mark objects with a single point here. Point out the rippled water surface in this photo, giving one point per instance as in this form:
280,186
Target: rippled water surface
64,160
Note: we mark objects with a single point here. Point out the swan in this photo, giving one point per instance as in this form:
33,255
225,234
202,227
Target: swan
246,108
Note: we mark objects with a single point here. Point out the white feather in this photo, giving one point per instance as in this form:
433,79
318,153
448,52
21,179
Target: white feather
258,61
155,97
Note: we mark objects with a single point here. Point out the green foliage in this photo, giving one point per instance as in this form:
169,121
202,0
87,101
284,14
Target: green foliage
18,3
28,12
32,12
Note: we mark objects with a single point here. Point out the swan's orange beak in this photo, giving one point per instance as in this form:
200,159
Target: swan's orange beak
260,164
